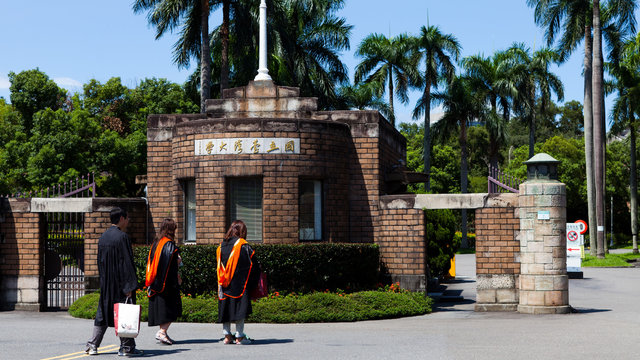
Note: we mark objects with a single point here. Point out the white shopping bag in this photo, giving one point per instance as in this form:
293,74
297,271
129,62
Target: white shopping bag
126,318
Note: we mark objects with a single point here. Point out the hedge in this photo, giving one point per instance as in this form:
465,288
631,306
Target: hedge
292,308
290,268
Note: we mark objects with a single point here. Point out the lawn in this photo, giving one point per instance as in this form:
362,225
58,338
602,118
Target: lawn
610,260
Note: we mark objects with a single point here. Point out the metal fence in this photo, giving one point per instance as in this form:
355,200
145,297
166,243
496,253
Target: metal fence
81,186
63,258
500,182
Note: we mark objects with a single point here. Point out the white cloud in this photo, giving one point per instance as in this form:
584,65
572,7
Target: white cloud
4,82
66,83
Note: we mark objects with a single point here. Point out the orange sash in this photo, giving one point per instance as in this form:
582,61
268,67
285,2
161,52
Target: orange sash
152,265
225,273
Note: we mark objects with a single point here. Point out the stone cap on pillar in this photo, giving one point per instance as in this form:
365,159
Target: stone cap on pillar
542,167
260,99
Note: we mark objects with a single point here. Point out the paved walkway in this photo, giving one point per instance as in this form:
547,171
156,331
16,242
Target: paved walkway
606,326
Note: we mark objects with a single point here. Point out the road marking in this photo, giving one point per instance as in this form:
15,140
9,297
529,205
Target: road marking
83,353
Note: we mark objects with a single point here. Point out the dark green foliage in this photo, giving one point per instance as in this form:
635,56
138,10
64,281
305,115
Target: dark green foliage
294,308
47,138
289,268
320,266
32,91
441,243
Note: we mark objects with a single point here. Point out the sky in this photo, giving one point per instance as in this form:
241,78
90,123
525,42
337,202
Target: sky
75,41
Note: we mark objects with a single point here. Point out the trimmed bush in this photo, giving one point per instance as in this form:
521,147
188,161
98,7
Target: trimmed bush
293,308
290,268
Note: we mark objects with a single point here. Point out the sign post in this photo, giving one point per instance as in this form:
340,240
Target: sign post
575,249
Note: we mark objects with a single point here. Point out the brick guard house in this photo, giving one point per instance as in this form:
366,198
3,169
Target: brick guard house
297,175
293,174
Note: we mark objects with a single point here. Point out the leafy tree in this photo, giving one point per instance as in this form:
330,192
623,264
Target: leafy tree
570,153
59,150
32,91
13,152
388,62
160,96
102,130
111,102
439,51
570,121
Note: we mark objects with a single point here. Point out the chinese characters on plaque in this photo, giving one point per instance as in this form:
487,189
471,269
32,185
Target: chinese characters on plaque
247,146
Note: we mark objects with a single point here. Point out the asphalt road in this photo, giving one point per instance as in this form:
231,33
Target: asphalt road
605,326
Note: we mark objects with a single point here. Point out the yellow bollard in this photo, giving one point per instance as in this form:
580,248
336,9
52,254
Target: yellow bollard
452,268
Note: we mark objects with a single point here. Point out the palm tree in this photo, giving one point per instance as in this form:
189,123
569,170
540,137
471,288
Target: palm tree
307,38
533,82
388,62
498,89
575,17
598,133
438,51
363,97
626,107
461,106
192,16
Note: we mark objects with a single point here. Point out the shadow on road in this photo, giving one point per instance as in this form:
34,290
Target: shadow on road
270,341
196,341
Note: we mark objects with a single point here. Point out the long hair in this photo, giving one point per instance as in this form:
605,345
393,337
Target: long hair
168,229
237,228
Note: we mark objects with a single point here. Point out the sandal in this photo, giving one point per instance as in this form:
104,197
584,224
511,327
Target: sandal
164,338
228,339
243,340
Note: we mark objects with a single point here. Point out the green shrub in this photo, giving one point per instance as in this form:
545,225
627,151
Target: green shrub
289,268
294,308
471,239
440,228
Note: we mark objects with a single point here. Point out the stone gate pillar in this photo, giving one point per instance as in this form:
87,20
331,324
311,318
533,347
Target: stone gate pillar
544,285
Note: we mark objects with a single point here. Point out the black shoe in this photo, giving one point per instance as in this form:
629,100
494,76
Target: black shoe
132,353
91,350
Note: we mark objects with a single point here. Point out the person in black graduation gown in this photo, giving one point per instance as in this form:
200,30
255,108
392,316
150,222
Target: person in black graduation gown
118,281
236,271
163,281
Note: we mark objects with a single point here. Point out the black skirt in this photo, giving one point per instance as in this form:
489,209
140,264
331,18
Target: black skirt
165,307
232,310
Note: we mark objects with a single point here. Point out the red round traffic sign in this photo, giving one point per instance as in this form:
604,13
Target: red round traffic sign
583,226
572,235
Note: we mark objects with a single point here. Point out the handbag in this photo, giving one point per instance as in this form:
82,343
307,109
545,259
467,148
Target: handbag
261,289
126,318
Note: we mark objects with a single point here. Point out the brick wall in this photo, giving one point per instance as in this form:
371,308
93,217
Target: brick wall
497,249
20,245
402,246
323,146
98,221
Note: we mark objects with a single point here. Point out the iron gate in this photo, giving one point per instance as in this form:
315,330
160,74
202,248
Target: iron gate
63,259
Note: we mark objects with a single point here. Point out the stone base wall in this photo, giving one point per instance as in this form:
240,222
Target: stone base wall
22,292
